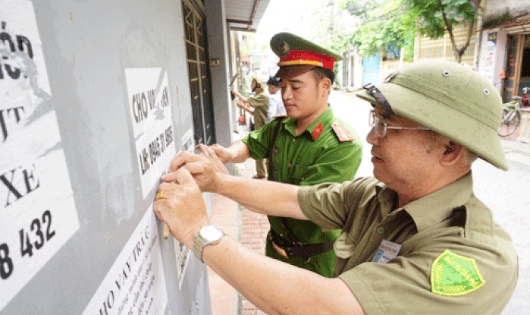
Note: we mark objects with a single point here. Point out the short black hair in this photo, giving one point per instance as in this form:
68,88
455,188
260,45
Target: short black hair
320,73
274,81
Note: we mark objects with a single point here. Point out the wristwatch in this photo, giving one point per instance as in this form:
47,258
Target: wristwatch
207,235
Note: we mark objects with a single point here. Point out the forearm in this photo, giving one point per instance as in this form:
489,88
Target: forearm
239,152
241,97
248,109
276,287
266,197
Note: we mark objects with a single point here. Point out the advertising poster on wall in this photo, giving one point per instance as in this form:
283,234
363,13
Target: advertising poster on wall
37,208
150,108
489,56
135,284
182,252
182,258
187,141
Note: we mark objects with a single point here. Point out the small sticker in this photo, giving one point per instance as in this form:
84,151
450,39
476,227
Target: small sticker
454,275
342,133
387,250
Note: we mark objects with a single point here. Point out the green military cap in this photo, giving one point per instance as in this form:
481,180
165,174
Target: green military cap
450,99
298,55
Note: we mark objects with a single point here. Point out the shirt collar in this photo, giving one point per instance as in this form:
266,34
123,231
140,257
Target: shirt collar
325,119
439,205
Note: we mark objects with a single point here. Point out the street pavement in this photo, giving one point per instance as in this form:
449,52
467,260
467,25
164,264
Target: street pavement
507,194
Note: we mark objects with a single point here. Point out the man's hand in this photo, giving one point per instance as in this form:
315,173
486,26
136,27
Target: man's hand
181,207
241,105
236,94
210,154
200,167
224,154
245,106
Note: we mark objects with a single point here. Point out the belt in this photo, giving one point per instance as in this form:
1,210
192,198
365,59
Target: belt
289,249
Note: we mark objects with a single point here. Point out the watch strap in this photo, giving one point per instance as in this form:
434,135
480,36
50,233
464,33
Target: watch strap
200,242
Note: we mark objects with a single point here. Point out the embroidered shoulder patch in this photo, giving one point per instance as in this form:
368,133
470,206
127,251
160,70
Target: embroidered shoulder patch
341,132
453,275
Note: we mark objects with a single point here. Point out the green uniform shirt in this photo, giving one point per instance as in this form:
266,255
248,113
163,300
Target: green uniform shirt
314,156
454,258
260,102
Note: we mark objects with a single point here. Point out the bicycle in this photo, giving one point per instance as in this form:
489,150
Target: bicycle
511,116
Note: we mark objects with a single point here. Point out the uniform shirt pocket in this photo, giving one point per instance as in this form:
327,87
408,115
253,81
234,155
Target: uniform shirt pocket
298,173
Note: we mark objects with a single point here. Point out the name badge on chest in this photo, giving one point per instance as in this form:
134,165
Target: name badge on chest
387,250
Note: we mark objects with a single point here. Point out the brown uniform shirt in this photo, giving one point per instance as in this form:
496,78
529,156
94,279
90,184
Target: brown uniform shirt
454,258
260,102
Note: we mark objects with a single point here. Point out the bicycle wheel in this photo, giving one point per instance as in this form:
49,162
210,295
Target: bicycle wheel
510,122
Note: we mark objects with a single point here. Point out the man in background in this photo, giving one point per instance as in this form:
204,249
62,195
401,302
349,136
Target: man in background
276,107
257,106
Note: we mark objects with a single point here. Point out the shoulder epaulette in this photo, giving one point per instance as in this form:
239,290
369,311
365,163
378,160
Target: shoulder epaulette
342,132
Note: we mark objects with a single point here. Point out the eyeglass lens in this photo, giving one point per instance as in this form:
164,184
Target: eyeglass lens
378,124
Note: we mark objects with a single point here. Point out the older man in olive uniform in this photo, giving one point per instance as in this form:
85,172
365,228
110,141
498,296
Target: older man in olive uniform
257,106
311,146
414,241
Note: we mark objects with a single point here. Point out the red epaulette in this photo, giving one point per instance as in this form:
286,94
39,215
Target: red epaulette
341,132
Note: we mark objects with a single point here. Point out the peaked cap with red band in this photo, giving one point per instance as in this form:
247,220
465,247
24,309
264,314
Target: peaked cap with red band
298,55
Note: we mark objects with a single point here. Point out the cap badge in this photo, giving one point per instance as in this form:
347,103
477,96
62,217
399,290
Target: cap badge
284,49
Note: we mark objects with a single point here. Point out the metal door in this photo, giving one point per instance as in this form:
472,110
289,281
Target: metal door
371,70
513,66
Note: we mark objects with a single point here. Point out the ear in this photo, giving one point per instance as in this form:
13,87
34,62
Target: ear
452,154
326,86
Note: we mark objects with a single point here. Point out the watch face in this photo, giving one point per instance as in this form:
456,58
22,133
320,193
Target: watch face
211,233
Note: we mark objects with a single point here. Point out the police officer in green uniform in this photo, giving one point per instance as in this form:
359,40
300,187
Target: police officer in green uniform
415,239
257,106
311,146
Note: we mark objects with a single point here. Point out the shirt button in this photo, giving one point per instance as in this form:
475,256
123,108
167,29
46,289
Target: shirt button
380,230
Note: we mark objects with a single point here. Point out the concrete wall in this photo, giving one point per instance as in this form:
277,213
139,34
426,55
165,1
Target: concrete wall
76,89
494,9
218,44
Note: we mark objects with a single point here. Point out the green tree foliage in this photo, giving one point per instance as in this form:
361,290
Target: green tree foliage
384,23
398,21
438,16
357,7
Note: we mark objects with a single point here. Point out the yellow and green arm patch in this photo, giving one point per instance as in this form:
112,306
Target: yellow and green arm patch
454,275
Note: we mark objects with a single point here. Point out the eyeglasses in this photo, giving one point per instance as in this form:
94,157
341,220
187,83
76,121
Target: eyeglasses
380,126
